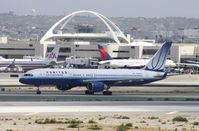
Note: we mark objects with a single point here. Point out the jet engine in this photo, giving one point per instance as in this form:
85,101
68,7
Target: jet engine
96,86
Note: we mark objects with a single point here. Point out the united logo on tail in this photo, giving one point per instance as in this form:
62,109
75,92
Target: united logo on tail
157,62
103,53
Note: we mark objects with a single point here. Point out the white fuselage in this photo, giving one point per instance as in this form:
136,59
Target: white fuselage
132,63
79,77
25,64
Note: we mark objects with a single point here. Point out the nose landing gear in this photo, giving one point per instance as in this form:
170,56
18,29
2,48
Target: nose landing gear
38,91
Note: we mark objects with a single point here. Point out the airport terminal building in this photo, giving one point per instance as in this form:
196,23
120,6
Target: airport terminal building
83,43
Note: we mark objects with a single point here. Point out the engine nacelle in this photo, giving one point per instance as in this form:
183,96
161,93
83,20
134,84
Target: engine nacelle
96,86
63,87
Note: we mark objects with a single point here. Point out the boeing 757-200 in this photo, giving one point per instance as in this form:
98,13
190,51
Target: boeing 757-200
100,80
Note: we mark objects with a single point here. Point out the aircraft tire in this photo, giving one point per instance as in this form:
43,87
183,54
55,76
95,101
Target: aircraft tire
87,92
107,93
38,92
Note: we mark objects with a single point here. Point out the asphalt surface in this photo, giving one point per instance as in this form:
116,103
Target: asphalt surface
119,106
57,96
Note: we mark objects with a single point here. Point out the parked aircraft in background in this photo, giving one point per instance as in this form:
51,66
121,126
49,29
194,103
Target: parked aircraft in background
192,63
28,64
125,63
11,67
189,64
100,80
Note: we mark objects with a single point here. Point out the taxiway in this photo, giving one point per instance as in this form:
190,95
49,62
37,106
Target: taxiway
117,106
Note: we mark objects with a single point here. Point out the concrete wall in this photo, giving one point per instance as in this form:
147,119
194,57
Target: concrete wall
18,49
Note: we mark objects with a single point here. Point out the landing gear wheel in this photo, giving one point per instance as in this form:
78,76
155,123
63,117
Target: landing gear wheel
107,93
38,91
87,92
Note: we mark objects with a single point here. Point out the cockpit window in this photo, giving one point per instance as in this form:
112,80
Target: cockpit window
28,74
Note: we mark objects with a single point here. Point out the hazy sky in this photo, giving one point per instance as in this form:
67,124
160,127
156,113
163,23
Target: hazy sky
125,8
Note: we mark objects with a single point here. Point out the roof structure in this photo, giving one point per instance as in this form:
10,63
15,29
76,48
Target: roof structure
114,32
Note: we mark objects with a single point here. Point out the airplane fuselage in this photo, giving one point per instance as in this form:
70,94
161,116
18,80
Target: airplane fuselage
81,77
25,64
134,63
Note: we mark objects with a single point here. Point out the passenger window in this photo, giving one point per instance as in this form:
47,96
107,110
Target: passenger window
28,74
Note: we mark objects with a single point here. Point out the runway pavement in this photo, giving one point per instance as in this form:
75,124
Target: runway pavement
119,106
58,96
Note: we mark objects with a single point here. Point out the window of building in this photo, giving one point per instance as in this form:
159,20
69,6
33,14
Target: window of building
120,51
87,50
49,49
152,51
65,50
17,49
149,51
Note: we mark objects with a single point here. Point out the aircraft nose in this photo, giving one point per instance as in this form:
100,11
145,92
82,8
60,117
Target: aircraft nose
22,80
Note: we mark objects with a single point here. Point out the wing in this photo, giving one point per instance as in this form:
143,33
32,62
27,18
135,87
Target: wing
108,81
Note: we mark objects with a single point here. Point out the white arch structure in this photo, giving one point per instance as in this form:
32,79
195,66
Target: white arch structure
115,32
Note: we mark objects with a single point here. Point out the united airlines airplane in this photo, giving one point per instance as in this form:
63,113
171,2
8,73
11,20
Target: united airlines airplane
125,63
28,64
100,80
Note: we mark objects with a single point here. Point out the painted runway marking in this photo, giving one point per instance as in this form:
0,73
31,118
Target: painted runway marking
31,114
172,112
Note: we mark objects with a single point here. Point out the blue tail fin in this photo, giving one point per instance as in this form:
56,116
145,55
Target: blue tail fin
103,53
157,62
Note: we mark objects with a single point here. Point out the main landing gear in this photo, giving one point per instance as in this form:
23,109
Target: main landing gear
92,87
107,92
38,91
88,92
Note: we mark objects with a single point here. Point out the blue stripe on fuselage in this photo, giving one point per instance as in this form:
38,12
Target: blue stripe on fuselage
37,81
